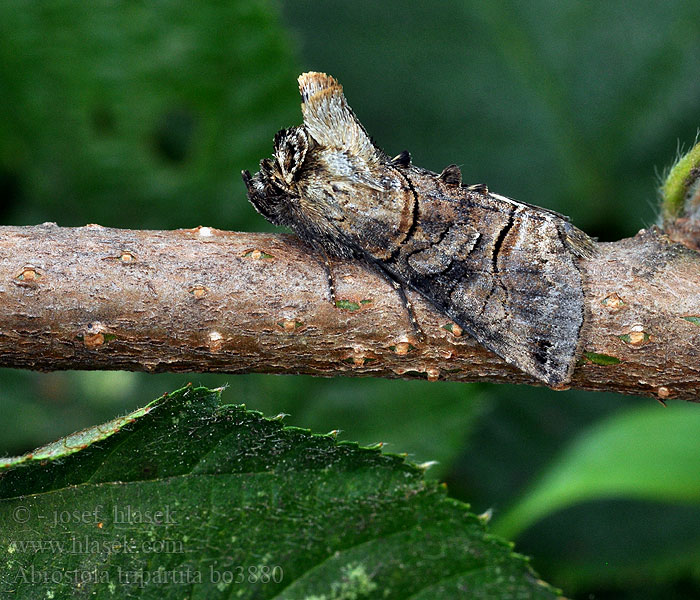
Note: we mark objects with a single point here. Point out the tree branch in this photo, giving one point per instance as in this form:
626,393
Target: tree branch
209,300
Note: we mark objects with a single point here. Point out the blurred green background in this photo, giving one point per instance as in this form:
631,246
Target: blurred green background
142,115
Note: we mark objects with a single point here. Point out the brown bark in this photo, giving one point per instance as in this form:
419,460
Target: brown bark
208,300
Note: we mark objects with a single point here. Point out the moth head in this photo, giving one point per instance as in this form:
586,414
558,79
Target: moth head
272,189
329,154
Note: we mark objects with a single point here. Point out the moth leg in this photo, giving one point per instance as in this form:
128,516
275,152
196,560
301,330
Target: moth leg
420,334
409,308
329,277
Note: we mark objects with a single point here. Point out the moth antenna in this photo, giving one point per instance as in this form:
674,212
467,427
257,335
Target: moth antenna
402,160
328,118
451,175
480,188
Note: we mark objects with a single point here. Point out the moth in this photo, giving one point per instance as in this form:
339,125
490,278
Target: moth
505,271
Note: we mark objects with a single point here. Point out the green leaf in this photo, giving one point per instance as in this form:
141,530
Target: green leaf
645,454
189,495
378,410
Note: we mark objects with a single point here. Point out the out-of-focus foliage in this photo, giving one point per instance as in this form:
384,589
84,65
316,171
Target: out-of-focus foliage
636,454
142,115
138,114
643,455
